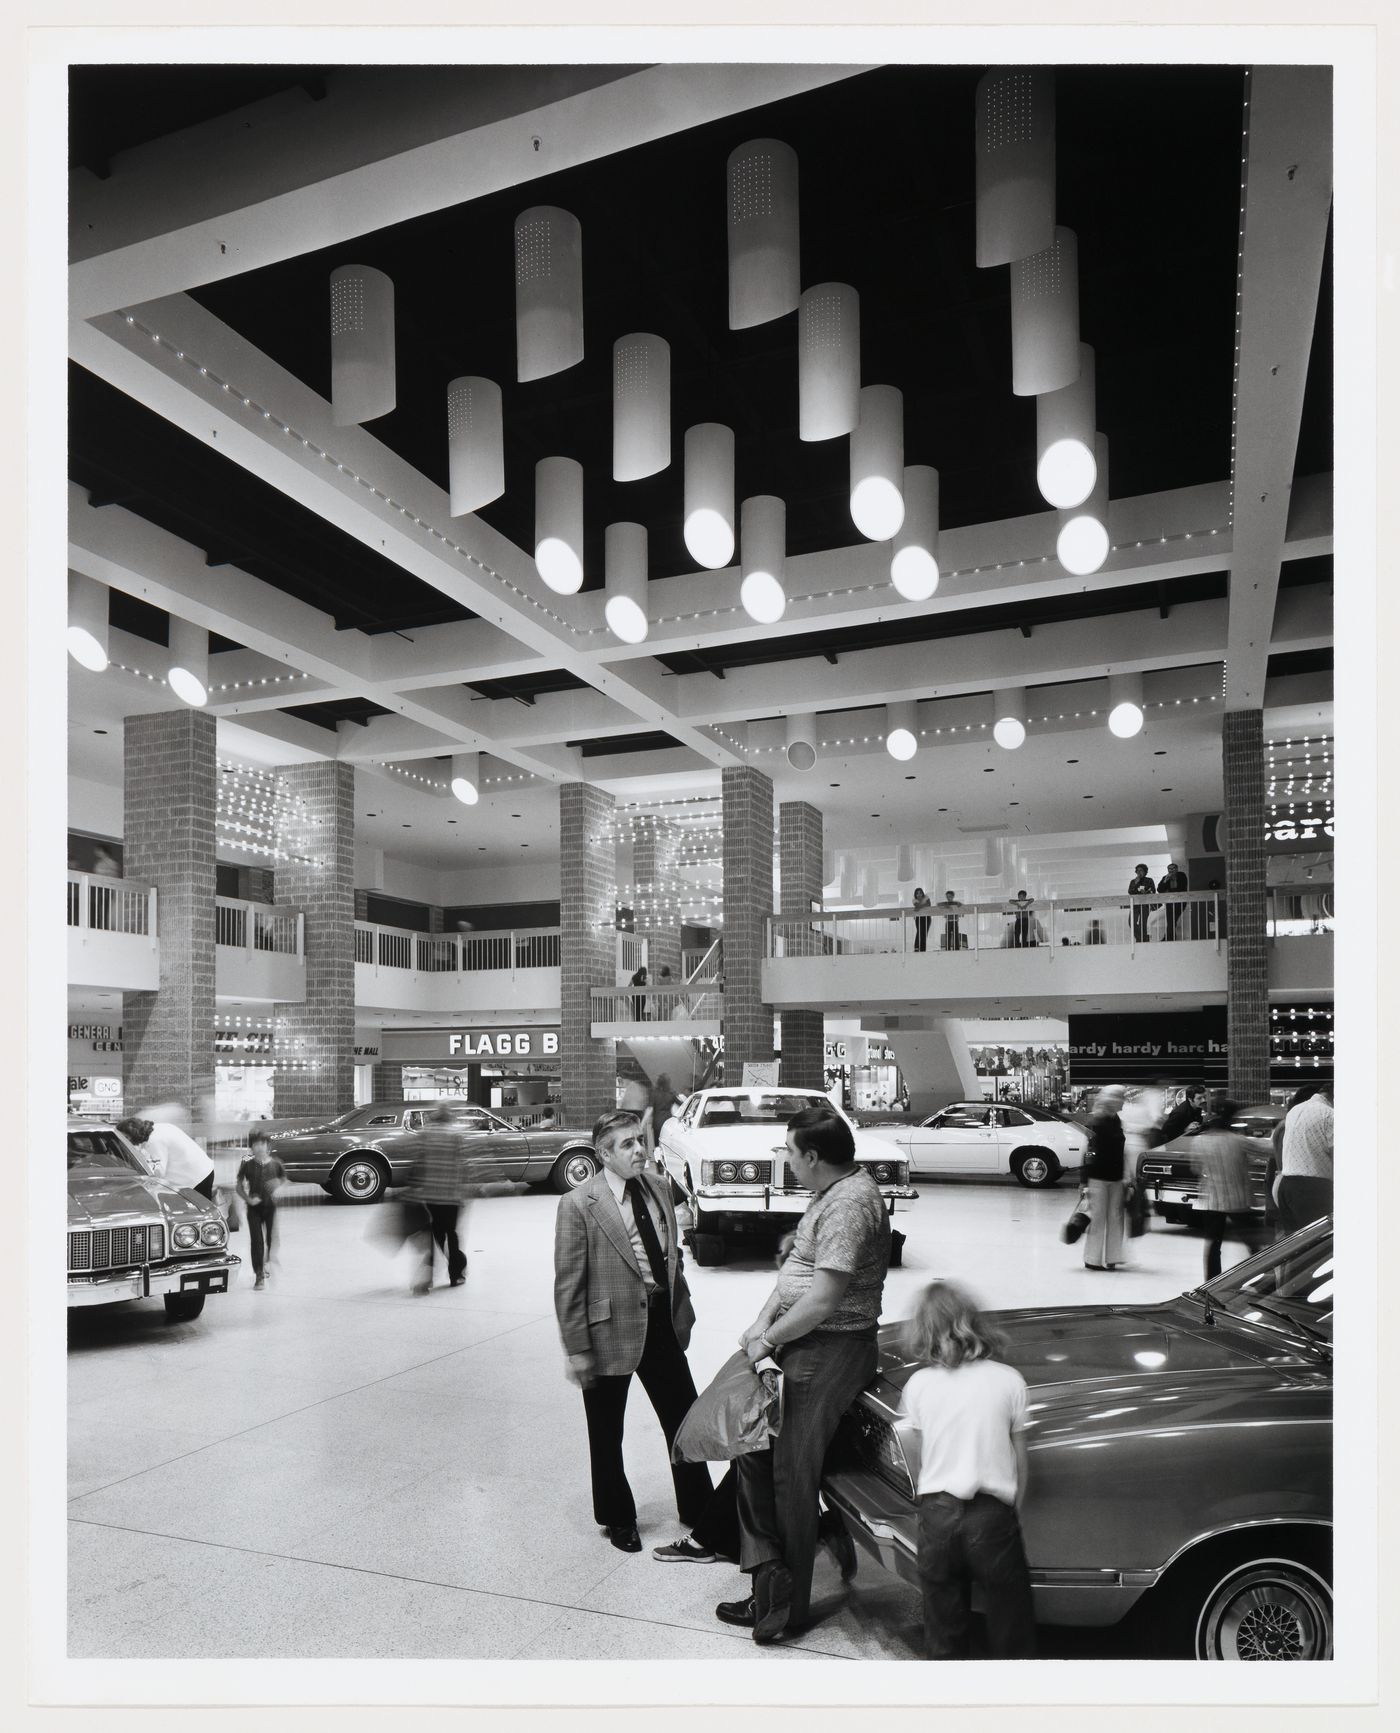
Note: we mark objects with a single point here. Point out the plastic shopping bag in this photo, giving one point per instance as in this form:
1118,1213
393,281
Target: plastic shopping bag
737,1413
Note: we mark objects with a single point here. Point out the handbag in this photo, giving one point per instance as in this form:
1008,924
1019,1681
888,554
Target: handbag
1078,1223
736,1413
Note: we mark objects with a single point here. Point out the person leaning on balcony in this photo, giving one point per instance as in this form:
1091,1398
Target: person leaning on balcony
951,908
1173,879
1140,885
1024,927
922,921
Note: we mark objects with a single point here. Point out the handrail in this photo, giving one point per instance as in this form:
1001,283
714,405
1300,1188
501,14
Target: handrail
244,925
507,949
715,950
98,903
691,1004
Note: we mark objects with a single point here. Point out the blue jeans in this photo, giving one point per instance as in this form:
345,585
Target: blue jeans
823,1373
970,1541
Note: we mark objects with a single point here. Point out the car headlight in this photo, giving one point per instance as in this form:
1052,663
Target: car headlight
213,1233
186,1235
748,1171
726,1172
880,1171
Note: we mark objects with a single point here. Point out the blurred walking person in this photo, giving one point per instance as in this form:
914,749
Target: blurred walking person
260,1178
1225,1207
1103,1182
437,1186
1305,1176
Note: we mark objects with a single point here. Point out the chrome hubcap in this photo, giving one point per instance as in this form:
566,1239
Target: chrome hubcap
579,1170
1034,1169
1270,1617
361,1180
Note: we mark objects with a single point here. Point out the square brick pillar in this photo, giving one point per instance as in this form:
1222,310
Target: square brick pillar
656,850
386,1082
1247,964
170,791
800,881
361,905
748,898
587,948
316,1039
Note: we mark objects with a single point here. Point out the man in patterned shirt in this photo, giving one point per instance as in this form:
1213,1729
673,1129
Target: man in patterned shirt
819,1324
1305,1169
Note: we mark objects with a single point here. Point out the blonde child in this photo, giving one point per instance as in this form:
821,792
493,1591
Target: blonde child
970,1410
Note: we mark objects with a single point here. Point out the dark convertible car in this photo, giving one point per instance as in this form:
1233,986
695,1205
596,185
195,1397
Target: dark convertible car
1180,1461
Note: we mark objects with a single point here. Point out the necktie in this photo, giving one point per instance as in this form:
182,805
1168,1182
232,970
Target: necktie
647,1229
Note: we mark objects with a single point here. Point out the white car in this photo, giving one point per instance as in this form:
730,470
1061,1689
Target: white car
971,1138
725,1153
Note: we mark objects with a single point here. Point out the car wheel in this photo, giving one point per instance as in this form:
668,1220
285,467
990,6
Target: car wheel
1271,1609
707,1249
573,1169
1035,1167
359,1179
183,1308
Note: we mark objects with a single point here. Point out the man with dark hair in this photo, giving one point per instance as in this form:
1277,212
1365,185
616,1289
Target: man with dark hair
819,1324
259,1178
1189,1113
623,1306
1140,885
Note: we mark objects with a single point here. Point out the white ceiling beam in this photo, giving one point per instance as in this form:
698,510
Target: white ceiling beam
284,178
1286,201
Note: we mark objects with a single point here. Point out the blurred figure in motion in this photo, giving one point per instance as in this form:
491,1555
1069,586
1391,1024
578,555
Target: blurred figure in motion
1103,1182
173,1154
1226,1207
260,1178
1305,1170
437,1186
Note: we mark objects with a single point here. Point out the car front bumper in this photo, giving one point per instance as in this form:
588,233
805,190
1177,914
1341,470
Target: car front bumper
203,1275
772,1200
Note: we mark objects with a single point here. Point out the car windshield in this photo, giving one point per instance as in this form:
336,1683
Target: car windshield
1037,1112
102,1149
756,1107
1290,1283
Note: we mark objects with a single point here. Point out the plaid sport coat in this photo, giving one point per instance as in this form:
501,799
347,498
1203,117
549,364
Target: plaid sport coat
600,1298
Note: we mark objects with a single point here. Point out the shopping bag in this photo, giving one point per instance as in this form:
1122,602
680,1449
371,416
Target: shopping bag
736,1414
1075,1228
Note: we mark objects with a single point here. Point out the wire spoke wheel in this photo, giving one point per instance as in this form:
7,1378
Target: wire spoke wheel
1272,1610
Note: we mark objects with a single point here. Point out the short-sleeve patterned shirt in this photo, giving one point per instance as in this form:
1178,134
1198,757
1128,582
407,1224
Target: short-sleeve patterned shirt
844,1228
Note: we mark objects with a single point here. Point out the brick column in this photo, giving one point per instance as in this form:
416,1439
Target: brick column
587,950
318,1036
655,852
361,905
748,898
387,1081
170,765
800,879
1247,970
434,918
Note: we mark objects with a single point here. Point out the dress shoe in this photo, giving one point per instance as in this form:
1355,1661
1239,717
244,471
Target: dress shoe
625,1538
743,1612
833,1531
772,1593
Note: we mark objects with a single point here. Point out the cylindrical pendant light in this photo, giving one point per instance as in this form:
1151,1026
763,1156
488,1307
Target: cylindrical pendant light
362,345
559,523
1009,728
1045,318
1082,545
548,292
641,406
877,464
901,731
848,879
625,580
763,552
475,444
1125,713
189,662
994,857
709,494
802,741
1065,422
828,866
1015,149
870,886
914,564
87,622
466,777
904,864
828,361
764,272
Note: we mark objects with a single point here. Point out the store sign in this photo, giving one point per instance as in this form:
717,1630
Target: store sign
366,1052
101,1037
504,1042
1141,1047
243,1041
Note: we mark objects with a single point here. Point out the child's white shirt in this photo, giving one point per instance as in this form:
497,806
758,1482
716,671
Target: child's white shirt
966,1417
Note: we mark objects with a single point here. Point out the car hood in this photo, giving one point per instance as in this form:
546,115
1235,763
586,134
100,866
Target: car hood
100,1197
758,1143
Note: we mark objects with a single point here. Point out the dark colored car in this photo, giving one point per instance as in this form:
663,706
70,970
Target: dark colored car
358,1155
1180,1460
1170,1180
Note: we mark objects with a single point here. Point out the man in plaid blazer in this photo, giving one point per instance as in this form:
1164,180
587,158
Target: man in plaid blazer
623,1306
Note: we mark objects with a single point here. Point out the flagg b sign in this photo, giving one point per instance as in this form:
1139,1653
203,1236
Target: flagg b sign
484,1044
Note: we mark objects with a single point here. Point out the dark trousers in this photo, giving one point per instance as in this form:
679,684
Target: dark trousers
665,1376
967,1542
1219,1225
718,1527
1302,1198
439,1228
205,1188
778,1514
1140,919
921,927
262,1221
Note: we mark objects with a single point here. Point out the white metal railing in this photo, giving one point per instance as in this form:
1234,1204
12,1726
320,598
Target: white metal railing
1301,911
267,927
697,965
690,1004
456,953
1125,922
100,904
631,956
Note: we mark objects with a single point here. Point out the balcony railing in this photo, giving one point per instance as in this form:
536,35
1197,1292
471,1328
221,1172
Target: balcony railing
246,926
685,1004
456,953
106,905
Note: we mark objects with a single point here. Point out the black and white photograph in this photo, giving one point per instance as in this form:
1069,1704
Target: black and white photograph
847,1181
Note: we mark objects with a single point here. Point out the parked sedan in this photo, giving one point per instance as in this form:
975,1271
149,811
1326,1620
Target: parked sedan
132,1236
1180,1461
357,1156
725,1154
1171,1181
991,1139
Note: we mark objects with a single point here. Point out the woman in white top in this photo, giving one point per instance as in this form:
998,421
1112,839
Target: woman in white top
970,1410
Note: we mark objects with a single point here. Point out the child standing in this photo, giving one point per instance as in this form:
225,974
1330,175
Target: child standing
970,1410
259,1178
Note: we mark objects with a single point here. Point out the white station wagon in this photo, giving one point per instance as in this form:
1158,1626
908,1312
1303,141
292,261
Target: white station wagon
725,1152
990,1139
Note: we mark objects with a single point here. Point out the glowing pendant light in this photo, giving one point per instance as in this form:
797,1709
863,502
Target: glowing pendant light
559,523
475,447
764,272
1082,545
189,663
801,748
709,494
877,464
904,864
1065,422
914,563
1125,713
466,777
828,361
87,622
362,345
1015,149
625,580
901,737
763,552
641,406
1045,318
1009,729
548,292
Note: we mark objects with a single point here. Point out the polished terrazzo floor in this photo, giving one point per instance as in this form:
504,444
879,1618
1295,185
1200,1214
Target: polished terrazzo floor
332,1468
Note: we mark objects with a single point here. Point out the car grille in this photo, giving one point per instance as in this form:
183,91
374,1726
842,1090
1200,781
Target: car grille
114,1248
864,1440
